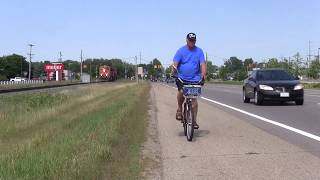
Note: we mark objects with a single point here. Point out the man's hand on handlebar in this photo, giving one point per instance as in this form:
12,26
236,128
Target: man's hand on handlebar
203,79
173,71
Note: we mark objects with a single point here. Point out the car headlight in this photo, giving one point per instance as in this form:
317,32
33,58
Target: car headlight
265,87
298,87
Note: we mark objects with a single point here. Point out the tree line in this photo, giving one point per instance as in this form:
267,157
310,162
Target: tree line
17,66
237,69
233,68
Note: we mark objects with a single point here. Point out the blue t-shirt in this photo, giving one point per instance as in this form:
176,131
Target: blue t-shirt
189,63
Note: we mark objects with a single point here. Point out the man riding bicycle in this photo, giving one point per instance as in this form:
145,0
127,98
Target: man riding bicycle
189,63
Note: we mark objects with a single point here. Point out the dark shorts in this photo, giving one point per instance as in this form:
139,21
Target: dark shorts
180,85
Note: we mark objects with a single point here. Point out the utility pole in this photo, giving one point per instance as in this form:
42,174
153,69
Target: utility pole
140,57
96,72
90,68
309,54
206,58
81,65
136,69
318,56
289,63
30,56
125,70
60,56
207,63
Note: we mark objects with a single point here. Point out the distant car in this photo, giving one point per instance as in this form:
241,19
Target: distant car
272,84
18,79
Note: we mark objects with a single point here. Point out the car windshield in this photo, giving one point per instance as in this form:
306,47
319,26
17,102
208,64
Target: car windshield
275,75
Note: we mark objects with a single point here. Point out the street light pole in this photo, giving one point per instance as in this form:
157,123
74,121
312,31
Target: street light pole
81,65
318,55
30,56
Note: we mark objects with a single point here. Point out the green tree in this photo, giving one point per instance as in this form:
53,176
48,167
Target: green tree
247,62
168,72
297,65
223,73
234,68
37,69
211,69
314,69
12,66
273,63
234,64
71,65
155,68
119,66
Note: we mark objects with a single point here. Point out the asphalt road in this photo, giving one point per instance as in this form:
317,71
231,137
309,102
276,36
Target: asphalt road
305,118
234,145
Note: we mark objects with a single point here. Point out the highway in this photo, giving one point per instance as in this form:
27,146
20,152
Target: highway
238,140
305,117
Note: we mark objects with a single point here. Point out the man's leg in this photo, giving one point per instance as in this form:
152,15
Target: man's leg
180,99
195,111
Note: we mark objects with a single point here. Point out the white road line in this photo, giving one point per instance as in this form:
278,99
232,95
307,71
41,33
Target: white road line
309,135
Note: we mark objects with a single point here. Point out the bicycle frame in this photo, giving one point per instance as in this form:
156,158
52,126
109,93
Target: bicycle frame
190,92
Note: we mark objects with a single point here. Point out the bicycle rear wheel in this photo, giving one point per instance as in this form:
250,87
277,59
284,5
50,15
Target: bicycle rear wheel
189,122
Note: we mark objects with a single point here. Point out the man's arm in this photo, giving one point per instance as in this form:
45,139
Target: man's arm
203,70
174,66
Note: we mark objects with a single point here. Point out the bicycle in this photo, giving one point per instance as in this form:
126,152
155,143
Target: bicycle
190,91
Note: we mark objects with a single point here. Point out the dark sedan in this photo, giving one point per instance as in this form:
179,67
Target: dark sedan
272,84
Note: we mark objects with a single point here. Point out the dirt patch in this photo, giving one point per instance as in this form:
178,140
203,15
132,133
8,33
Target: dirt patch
151,150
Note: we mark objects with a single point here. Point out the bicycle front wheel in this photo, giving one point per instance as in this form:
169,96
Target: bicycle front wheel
184,120
189,122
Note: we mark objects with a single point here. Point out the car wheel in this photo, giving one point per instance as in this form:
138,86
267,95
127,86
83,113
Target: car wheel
257,98
299,102
245,99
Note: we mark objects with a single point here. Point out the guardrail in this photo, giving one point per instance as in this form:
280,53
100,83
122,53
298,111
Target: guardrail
21,82
44,86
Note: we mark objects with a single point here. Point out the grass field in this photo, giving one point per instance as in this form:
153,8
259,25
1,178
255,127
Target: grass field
92,133
311,85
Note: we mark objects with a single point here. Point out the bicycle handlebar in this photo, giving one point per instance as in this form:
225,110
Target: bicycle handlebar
201,82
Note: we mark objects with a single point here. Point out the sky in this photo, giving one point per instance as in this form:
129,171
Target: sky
123,29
